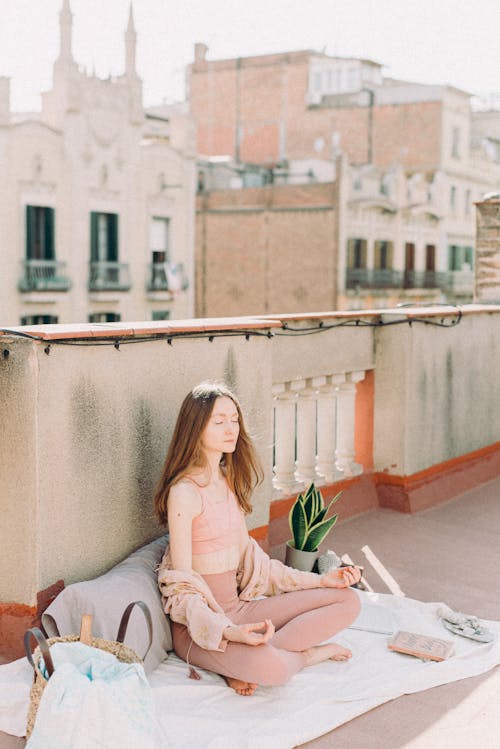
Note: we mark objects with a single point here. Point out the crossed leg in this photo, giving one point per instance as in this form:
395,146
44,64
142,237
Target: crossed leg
303,619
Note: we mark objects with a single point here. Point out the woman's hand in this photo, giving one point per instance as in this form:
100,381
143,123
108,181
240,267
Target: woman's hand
341,577
250,634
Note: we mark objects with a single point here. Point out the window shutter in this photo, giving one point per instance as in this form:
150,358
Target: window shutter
93,237
49,233
30,231
112,237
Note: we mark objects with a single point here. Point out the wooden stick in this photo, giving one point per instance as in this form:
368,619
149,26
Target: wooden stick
86,629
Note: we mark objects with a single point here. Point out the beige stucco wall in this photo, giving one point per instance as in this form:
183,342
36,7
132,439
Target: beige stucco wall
437,392
87,430
333,351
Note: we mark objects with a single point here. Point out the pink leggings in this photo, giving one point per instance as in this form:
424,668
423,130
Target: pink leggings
302,619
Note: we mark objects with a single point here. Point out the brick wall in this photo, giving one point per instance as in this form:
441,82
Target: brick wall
264,100
269,249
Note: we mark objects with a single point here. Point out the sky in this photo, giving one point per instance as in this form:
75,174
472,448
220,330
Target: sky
430,41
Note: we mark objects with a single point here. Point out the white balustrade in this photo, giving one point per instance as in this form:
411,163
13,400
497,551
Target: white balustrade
327,428
346,402
306,434
314,431
284,438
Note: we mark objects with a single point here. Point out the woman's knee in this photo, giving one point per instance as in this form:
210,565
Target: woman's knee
276,668
353,602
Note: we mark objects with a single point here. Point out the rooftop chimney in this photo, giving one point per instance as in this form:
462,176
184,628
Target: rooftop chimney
200,52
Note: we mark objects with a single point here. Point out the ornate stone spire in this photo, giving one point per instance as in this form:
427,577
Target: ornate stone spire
130,45
66,30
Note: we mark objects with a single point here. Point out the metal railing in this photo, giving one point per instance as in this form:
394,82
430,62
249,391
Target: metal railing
43,275
422,279
452,282
109,276
371,278
167,276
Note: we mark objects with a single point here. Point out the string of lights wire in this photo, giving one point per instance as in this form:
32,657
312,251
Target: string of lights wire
285,330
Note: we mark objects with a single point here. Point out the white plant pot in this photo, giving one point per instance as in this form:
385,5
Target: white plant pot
300,560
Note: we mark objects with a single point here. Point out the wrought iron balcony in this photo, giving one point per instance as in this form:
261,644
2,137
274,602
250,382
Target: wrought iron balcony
167,277
371,278
43,275
422,279
109,276
458,282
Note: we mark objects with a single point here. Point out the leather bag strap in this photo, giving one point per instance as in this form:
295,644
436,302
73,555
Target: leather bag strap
38,635
122,629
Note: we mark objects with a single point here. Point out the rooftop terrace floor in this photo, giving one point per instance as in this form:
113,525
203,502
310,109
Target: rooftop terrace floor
449,553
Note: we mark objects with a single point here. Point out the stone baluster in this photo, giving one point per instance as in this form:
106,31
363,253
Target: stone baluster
344,452
284,438
306,431
327,427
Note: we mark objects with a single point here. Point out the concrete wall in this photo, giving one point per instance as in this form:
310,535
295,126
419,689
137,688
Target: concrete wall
437,392
85,428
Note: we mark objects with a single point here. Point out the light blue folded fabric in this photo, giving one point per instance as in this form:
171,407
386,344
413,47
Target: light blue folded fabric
94,700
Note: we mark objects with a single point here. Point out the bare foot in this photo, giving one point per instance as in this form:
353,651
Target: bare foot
321,653
244,688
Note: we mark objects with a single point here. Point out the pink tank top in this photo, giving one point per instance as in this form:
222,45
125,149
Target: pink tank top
218,526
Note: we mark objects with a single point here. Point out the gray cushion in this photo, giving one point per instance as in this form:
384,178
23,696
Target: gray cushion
107,596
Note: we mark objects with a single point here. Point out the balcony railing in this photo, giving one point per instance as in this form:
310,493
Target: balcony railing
43,275
109,276
451,282
371,278
458,282
167,277
314,430
422,279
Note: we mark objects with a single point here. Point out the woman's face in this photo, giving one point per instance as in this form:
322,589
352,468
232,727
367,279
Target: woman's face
222,429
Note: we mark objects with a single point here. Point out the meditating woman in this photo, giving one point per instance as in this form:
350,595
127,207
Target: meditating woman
213,570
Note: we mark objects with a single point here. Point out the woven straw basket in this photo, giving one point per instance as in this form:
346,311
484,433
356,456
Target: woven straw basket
116,647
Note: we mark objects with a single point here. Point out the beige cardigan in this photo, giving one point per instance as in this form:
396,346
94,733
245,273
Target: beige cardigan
188,600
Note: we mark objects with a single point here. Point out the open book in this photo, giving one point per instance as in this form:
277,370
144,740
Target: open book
421,646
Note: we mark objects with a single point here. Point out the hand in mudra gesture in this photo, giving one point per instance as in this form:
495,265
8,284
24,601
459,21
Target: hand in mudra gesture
341,577
257,633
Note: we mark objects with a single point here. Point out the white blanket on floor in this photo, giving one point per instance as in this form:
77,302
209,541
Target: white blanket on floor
207,715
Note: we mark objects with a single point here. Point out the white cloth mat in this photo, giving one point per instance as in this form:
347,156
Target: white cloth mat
207,715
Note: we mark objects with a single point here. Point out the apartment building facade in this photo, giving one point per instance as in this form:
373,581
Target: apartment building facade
416,162
96,200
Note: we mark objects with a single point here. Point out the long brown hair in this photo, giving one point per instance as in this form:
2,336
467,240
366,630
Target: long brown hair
242,468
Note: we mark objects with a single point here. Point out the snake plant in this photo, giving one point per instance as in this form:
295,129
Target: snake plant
308,521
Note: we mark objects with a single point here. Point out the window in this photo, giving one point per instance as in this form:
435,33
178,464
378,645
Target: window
159,239
383,255
453,197
468,202
39,320
159,245
39,233
104,237
356,254
430,257
460,258
160,314
104,317
455,143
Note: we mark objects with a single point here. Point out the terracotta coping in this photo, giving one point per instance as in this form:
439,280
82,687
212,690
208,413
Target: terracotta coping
139,329
405,312
215,324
